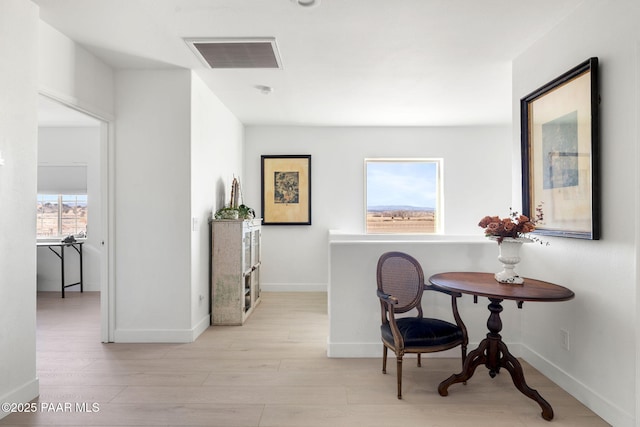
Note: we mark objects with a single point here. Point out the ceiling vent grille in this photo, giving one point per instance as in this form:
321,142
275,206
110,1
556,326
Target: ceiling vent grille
236,53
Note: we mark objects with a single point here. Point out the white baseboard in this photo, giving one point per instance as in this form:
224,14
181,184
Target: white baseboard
52,285
152,336
202,326
178,336
162,335
603,407
23,394
293,287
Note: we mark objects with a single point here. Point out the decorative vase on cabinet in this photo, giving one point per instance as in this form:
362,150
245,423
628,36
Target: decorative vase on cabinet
235,270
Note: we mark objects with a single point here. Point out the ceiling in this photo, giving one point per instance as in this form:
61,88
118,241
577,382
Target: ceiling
344,62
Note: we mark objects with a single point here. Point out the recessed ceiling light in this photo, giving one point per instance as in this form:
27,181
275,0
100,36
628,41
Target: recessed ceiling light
265,90
306,3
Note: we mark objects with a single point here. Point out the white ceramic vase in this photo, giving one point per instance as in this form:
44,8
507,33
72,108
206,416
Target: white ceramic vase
509,256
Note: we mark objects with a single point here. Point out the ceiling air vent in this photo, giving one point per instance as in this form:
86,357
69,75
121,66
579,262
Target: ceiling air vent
237,53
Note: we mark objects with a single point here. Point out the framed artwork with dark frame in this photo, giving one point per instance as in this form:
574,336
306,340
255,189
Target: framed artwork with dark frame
560,154
286,190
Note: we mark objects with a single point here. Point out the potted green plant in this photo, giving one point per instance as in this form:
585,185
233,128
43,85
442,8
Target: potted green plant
241,212
227,213
245,212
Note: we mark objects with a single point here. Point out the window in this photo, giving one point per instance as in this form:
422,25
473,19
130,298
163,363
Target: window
61,214
403,196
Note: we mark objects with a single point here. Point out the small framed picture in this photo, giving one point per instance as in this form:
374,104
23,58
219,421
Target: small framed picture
286,190
560,154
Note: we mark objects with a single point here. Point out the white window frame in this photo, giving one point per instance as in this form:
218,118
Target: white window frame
408,183
60,198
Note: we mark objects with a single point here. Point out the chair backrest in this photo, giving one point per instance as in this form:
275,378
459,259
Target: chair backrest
401,275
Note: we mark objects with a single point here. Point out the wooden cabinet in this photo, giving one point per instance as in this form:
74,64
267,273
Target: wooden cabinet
235,270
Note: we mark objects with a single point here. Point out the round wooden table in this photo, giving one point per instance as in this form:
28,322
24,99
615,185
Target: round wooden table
492,351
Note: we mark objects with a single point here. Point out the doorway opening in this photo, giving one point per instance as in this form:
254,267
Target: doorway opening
73,205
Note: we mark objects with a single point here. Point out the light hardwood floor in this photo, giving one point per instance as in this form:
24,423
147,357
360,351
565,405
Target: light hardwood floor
271,372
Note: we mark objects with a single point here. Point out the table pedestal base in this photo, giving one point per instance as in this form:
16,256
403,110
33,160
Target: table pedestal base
494,354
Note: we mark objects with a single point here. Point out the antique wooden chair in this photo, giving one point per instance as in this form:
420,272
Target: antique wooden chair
400,288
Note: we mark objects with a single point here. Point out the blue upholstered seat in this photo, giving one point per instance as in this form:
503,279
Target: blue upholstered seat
424,332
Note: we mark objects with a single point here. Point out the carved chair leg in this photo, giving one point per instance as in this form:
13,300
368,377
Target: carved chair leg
384,359
399,368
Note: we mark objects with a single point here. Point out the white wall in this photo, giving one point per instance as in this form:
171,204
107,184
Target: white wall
601,366
153,206
216,156
18,148
177,148
477,181
69,73
60,146
354,309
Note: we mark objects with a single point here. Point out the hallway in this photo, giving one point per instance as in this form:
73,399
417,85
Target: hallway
271,372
